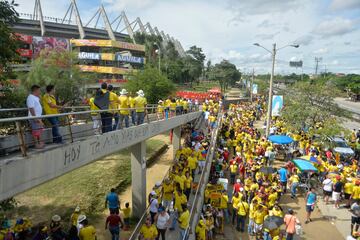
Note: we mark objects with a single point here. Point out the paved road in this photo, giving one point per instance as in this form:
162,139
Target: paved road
353,107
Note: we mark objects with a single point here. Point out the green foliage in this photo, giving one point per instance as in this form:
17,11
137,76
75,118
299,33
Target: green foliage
8,204
308,105
225,73
56,67
9,43
155,85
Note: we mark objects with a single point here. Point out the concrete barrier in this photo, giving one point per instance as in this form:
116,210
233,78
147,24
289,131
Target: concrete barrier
20,174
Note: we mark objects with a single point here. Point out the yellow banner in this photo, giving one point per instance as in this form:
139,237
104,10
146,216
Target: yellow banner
108,56
102,69
107,43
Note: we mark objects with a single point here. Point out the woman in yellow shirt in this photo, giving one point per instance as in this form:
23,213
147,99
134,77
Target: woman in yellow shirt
148,231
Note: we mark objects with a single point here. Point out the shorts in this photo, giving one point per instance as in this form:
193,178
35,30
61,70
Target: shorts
347,196
335,196
201,163
309,208
355,220
327,193
36,128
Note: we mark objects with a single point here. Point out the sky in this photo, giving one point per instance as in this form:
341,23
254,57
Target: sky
227,29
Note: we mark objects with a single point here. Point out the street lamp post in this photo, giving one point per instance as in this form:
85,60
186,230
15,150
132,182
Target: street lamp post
158,51
273,54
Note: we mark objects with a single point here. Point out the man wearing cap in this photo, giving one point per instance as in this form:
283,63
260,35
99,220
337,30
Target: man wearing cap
56,231
154,205
140,105
124,108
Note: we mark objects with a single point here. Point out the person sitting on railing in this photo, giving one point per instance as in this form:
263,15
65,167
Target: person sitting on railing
35,110
51,107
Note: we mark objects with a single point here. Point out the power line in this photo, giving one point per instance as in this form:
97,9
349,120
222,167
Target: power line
317,60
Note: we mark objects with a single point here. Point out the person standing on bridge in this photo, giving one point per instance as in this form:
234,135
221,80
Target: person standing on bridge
113,200
51,107
124,109
184,220
35,110
114,105
140,105
102,101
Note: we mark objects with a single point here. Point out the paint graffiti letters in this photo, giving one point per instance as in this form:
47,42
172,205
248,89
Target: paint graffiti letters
72,154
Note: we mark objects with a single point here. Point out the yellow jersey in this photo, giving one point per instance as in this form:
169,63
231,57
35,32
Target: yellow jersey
124,104
148,232
93,107
87,233
114,101
184,219
140,103
48,99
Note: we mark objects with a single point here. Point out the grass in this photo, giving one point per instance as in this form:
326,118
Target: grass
86,187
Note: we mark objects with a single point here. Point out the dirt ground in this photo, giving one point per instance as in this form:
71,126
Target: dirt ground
153,174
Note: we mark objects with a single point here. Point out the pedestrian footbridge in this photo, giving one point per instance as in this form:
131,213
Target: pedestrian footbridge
20,172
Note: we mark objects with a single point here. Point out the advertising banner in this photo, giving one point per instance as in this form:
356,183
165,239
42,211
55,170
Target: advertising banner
255,89
113,80
277,105
25,38
101,69
89,55
40,43
107,43
129,59
25,52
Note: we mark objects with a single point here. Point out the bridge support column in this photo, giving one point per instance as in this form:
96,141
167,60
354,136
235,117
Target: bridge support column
138,178
176,141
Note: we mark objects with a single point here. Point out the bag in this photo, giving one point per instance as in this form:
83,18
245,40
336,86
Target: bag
102,100
298,229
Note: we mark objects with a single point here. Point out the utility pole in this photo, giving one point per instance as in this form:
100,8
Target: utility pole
317,60
251,85
268,120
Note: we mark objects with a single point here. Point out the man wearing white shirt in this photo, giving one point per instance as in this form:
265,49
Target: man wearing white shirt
35,110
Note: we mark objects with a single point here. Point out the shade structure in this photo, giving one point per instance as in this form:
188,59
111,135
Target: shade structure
280,139
267,170
304,165
310,158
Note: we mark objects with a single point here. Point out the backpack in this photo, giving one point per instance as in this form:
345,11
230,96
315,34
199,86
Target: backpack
102,100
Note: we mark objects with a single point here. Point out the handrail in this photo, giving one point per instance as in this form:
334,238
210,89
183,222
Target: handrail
202,176
136,230
67,114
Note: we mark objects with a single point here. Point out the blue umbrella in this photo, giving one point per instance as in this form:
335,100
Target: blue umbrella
280,139
304,165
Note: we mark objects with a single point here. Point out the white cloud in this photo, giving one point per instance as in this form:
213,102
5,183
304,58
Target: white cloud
335,62
334,27
321,51
344,5
304,40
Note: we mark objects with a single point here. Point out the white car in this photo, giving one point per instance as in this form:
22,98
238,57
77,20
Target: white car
340,146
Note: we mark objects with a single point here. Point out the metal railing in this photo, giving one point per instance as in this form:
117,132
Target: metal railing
204,177
72,126
135,234
30,16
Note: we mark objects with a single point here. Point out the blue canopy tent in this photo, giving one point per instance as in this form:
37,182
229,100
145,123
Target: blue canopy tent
304,165
280,139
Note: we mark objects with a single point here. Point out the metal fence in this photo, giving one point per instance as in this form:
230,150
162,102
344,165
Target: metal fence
72,126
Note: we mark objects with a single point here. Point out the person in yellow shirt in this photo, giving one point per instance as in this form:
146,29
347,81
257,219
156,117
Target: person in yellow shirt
234,201
172,107
88,232
114,105
95,117
348,188
140,105
259,216
168,192
243,210
184,221
160,110
148,231
224,205
132,111
252,209
200,230
294,183
233,172
127,214
74,217
355,195
187,184
50,107
124,109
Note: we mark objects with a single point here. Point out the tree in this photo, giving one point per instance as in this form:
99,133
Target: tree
9,41
226,73
155,85
311,106
55,66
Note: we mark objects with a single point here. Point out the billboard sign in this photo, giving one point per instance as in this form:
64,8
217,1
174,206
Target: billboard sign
297,64
255,89
130,59
107,43
89,55
277,105
40,43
